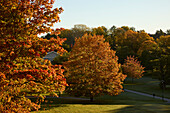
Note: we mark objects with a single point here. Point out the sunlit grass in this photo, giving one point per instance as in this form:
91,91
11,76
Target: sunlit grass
123,103
79,108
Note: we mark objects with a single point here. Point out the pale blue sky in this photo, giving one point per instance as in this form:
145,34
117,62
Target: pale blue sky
150,15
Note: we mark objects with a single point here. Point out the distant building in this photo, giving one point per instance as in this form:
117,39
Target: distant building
51,55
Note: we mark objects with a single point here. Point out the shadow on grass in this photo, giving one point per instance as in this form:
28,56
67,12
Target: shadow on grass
130,109
123,103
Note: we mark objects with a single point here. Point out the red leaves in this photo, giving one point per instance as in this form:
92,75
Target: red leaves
37,54
29,77
43,51
2,76
22,68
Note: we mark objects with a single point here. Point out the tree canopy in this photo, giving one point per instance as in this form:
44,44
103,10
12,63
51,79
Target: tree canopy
92,68
162,59
22,69
132,68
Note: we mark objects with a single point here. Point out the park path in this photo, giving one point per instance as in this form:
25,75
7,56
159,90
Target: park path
148,95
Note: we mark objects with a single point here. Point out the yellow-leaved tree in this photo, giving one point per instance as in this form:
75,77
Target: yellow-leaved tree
92,68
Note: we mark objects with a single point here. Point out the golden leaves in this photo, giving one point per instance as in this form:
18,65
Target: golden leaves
131,39
92,64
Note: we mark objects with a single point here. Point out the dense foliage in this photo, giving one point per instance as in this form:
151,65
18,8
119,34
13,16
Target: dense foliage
92,68
161,68
132,68
126,41
22,69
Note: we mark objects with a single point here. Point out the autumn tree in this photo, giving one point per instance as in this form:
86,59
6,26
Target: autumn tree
22,69
134,39
131,41
100,31
116,33
92,68
132,68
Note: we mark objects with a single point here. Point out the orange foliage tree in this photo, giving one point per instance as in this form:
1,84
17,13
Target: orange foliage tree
92,68
132,68
22,69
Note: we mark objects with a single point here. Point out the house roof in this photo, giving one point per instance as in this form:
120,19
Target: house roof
51,55
52,52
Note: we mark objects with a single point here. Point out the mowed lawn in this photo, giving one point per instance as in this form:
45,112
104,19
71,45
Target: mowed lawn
147,85
123,103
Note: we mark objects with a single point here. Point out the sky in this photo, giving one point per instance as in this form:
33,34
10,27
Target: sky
148,15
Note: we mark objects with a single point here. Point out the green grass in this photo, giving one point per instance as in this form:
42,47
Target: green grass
146,85
123,103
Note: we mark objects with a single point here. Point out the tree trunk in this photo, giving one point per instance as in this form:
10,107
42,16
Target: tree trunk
91,99
59,94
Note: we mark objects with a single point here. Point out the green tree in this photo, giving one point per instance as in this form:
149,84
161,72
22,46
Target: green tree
129,42
92,68
112,30
60,59
123,52
158,34
79,30
100,31
67,33
168,32
162,60
146,54
125,28
66,45
48,36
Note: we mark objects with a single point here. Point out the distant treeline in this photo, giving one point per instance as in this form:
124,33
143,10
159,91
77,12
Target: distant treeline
153,50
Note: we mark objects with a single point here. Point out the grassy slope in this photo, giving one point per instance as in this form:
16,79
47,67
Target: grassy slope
123,103
146,85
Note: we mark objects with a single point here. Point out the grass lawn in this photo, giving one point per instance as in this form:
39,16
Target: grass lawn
146,85
123,103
